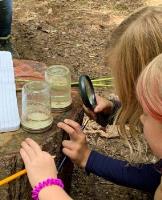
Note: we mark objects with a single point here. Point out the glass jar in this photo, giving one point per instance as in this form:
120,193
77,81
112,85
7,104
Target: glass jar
36,107
59,79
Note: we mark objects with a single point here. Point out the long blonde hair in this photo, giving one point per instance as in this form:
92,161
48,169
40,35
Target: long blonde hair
149,88
136,41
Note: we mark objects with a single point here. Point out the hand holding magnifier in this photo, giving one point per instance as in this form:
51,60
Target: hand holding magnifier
89,99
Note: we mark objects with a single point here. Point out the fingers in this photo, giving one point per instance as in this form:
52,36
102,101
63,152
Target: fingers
68,129
68,152
71,127
24,156
102,105
28,150
31,148
36,148
73,149
68,144
89,113
73,124
99,107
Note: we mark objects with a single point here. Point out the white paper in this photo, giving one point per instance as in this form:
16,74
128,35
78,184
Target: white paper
9,115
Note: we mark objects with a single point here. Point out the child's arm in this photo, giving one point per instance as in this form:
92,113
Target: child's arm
144,177
141,176
40,166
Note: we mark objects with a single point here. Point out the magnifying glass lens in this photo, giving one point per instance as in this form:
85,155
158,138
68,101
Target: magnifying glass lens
87,91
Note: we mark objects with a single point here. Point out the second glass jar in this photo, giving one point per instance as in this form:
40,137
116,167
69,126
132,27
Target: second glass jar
59,79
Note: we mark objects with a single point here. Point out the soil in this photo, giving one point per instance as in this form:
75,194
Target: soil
74,33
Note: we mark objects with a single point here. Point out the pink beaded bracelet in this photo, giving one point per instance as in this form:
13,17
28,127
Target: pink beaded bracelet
45,183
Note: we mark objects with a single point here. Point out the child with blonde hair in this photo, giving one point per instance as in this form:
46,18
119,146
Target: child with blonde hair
135,43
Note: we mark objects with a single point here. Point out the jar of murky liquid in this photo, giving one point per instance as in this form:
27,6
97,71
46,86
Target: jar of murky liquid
59,79
36,114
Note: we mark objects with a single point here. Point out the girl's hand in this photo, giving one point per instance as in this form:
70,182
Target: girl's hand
76,148
39,164
103,105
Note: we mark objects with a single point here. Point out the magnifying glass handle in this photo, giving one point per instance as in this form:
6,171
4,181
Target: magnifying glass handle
102,119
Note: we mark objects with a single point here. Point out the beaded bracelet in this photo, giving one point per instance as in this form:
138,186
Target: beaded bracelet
45,183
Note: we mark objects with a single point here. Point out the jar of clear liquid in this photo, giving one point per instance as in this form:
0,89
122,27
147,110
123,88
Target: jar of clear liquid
59,79
36,107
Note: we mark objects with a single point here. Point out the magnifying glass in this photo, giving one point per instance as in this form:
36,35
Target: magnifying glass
87,93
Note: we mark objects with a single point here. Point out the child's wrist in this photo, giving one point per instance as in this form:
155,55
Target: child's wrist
46,183
86,156
46,192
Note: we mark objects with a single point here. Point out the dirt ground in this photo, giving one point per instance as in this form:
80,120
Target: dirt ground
74,33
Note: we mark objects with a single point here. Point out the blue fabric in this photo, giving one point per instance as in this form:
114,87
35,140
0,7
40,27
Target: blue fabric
5,17
144,176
